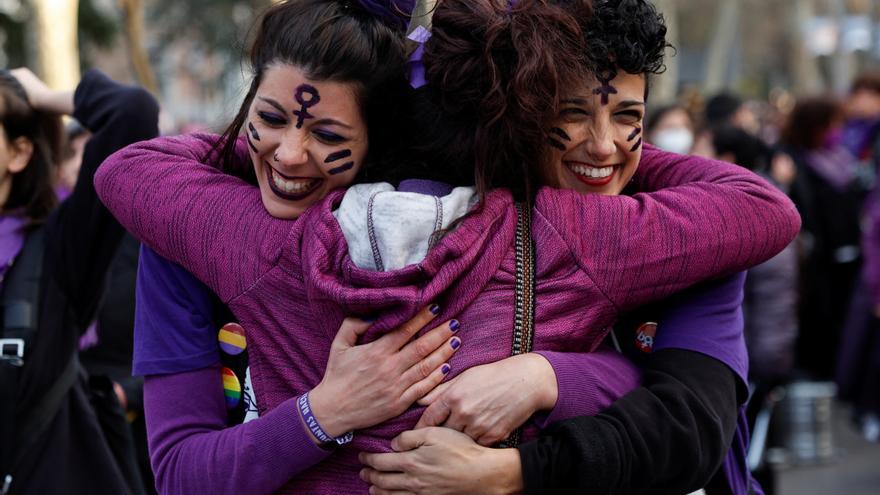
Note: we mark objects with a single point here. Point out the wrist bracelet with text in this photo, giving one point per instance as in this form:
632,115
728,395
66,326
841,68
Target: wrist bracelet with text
305,410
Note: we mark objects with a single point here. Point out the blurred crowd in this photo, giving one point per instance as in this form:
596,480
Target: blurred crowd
811,313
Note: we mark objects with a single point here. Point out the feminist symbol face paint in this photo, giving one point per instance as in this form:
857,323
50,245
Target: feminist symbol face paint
556,143
638,144
336,156
307,96
606,89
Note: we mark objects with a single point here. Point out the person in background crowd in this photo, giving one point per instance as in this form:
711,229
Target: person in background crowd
63,433
858,363
770,304
728,108
670,128
71,158
829,196
862,108
106,346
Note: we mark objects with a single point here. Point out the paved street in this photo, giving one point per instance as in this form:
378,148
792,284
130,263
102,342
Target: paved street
855,471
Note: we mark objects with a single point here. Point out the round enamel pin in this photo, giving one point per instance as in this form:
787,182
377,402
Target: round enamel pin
645,337
232,340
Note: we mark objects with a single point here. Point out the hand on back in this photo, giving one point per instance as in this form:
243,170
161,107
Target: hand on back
365,385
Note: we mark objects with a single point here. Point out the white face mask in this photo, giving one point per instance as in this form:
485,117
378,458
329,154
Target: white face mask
677,139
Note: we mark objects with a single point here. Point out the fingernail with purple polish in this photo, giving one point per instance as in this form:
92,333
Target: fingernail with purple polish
455,343
445,369
454,325
435,309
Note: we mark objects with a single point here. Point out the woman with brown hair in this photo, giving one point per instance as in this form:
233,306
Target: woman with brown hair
54,261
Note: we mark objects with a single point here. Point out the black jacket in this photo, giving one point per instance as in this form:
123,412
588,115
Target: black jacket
74,455
668,436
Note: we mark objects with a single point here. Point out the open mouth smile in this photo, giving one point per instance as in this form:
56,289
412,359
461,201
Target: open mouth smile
593,176
291,188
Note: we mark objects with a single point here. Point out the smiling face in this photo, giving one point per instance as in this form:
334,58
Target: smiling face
597,142
306,138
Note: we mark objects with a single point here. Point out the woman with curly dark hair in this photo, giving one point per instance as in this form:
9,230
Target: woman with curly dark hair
675,432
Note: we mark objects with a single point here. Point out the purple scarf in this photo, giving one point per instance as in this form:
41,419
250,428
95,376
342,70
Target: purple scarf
835,165
395,13
11,240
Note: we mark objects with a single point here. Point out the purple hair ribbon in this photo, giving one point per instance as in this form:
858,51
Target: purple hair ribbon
395,13
416,65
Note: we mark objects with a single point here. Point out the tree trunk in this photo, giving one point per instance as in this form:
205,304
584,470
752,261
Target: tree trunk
134,32
720,47
665,86
58,54
807,77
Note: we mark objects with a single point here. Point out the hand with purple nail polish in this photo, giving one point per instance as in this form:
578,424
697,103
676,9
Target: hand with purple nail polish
367,384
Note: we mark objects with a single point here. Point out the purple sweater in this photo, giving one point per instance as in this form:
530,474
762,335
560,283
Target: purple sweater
596,255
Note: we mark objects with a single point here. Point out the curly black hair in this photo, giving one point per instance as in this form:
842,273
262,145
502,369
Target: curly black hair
627,35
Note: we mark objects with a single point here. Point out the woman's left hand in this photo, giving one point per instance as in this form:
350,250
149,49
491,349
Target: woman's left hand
489,402
437,461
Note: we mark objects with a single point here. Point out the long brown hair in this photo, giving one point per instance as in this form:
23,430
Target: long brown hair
331,40
810,120
32,188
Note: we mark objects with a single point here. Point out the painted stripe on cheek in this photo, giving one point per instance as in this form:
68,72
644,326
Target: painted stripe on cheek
251,143
342,168
556,144
339,155
637,145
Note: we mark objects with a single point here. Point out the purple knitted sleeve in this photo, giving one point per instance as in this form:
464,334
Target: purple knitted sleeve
193,451
700,219
223,234
588,383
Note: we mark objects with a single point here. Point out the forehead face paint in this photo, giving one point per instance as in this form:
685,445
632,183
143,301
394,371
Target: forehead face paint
556,143
307,96
606,89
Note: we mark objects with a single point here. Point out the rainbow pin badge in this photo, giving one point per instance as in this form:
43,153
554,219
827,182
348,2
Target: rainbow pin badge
231,388
645,335
232,340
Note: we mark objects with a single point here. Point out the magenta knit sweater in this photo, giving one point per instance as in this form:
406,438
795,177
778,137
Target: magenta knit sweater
294,281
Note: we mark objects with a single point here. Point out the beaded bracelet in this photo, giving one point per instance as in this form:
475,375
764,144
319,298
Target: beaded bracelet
305,410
